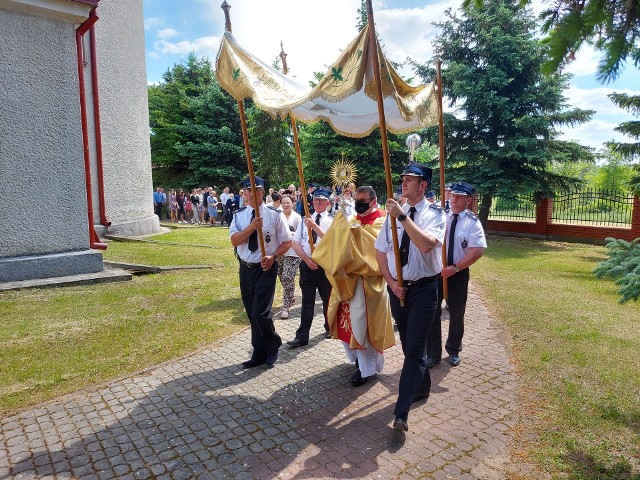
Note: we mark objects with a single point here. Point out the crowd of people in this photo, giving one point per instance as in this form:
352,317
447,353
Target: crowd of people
344,251
203,206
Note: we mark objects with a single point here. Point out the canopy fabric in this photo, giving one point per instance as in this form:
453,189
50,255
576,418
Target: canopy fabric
345,97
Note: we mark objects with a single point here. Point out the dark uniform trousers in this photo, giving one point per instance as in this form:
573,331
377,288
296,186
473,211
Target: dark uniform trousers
414,321
457,288
310,280
258,289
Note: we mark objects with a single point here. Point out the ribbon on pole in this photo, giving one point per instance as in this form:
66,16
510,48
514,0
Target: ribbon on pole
245,137
383,137
294,130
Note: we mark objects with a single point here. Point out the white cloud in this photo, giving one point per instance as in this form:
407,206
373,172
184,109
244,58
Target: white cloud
596,99
593,133
586,62
152,22
167,33
155,55
204,46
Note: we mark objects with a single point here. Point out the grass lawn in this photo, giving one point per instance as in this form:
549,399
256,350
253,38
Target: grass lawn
578,352
54,341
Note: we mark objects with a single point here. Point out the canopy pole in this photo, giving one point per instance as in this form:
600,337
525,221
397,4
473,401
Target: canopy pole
383,137
445,289
245,137
294,129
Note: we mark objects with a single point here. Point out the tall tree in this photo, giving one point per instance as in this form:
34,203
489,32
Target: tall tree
194,128
322,147
504,134
612,26
211,143
271,148
629,150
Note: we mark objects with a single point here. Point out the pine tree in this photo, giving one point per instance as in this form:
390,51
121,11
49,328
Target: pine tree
503,136
623,264
195,131
611,26
629,150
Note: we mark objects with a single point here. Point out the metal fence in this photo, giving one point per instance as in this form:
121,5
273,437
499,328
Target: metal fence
581,207
593,207
518,208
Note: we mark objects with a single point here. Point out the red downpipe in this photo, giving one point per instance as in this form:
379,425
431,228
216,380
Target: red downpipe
94,240
98,130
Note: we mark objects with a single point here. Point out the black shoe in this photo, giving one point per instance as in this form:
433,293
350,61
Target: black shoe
420,396
432,362
357,380
254,362
271,359
296,342
327,335
454,360
400,425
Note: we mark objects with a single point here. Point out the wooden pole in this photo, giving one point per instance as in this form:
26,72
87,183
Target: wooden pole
245,137
445,289
383,136
294,129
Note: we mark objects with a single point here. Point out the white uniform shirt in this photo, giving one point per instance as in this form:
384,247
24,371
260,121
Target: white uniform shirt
293,223
429,218
224,197
302,235
274,231
468,233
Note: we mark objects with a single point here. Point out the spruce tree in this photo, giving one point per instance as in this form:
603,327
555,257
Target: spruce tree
504,133
623,264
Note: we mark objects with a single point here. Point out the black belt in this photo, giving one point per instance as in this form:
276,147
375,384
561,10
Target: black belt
249,264
420,281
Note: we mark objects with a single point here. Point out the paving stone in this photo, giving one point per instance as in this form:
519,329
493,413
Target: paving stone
202,416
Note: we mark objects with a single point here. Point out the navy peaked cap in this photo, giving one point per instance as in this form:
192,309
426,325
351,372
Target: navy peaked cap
246,183
321,192
463,188
416,169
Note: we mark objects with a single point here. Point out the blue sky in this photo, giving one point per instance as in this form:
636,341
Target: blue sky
313,36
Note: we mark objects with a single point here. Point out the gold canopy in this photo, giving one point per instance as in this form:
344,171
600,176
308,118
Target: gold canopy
345,97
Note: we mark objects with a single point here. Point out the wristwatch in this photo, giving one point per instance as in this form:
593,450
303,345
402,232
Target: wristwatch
455,268
402,217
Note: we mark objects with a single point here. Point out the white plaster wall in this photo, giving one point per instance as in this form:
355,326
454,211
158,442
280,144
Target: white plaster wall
42,185
122,84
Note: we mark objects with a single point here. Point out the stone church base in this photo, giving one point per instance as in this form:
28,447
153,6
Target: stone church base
130,228
15,269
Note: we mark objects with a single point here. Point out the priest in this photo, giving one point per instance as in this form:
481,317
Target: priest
358,311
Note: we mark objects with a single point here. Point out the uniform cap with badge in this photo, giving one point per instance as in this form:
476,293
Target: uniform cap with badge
463,188
246,183
415,169
321,192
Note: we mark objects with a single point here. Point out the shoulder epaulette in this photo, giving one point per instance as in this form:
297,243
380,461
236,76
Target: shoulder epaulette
239,210
437,207
472,215
330,215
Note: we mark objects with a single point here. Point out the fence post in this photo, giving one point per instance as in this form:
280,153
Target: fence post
635,217
544,213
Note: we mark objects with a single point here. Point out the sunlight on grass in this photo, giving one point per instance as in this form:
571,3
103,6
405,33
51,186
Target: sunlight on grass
54,341
577,350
